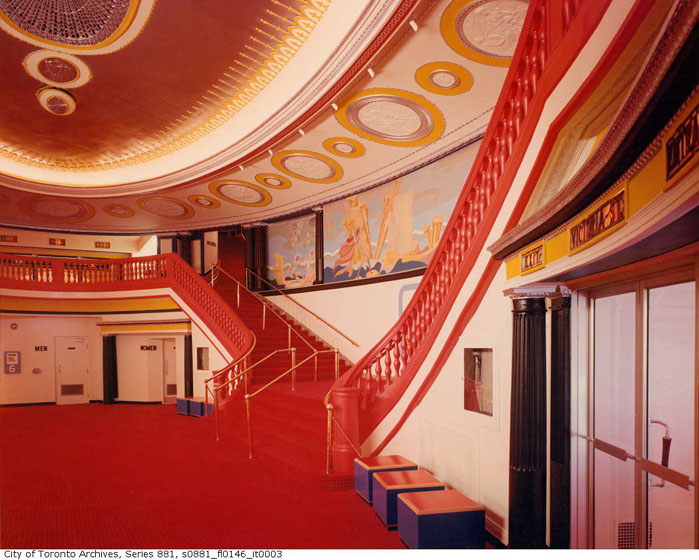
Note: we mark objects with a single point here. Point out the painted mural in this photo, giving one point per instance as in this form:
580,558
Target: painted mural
394,227
291,252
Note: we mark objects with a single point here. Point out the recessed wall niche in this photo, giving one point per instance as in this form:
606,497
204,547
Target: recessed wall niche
478,380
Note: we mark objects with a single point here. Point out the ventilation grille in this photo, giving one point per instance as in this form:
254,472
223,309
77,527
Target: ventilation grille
171,389
626,535
69,390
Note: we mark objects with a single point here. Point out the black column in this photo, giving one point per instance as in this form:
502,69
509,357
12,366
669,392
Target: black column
188,371
320,261
256,255
184,248
560,422
110,386
527,510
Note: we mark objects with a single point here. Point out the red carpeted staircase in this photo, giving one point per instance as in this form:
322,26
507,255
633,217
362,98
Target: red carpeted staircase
289,428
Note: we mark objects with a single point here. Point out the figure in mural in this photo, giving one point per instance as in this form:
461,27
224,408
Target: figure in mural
291,253
355,253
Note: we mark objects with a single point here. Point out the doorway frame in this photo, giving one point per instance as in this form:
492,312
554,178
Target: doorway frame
637,278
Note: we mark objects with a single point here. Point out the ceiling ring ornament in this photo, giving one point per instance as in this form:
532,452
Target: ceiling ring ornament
344,147
203,201
309,166
57,69
165,207
392,116
57,101
98,27
444,78
57,209
241,193
118,210
485,31
273,181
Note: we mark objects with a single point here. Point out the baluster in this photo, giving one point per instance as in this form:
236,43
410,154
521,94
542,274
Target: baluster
387,362
379,378
398,349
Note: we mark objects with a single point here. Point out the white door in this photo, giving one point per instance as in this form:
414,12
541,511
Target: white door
71,370
169,371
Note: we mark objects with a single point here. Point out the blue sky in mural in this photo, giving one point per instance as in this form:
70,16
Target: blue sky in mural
291,252
396,226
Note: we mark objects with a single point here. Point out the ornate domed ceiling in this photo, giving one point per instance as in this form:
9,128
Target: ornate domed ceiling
137,116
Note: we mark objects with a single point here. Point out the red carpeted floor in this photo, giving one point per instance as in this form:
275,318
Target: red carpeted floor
132,476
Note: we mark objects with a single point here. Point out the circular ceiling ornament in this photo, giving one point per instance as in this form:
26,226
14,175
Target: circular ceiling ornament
273,181
308,166
486,31
241,193
83,26
57,69
166,207
118,210
444,78
203,201
344,147
392,116
55,209
57,101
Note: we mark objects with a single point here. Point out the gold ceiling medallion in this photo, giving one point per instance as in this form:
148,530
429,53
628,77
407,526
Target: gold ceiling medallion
392,116
118,210
273,181
444,78
344,147
486,31
55,209
203,201
241,193
165,207
308,166
92,28
57,101
57,69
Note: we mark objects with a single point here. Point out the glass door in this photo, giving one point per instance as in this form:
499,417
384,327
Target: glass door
643,395
669,454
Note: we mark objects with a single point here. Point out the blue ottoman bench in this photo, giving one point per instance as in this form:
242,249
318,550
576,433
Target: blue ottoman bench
387,486
364,468
440,519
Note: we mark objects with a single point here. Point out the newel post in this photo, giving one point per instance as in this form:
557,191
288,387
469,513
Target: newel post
345,401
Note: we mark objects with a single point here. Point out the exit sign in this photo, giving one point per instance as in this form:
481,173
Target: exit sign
102,244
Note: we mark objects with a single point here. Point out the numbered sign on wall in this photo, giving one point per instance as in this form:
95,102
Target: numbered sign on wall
12,362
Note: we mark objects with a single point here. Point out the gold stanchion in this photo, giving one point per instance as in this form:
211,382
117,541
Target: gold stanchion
293,369
218,433
337,364
329,450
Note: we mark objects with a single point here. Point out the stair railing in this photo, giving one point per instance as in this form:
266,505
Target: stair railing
383,374
300,305
137,273
292,371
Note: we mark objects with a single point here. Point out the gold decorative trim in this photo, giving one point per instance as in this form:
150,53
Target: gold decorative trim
273,47
448,25
426,77
278,160
273,181
32,61
433,127
215,188
47,97
330,144
197,198
27,206
111,209
188,210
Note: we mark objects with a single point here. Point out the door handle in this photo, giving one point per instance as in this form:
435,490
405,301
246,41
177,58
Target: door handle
667,440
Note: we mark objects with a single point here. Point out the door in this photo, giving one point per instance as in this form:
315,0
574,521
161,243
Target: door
643,395
169,371
71,370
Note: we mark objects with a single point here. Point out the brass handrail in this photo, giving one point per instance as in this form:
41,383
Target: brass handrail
328,457
292,370
266,305
333,327
237,376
